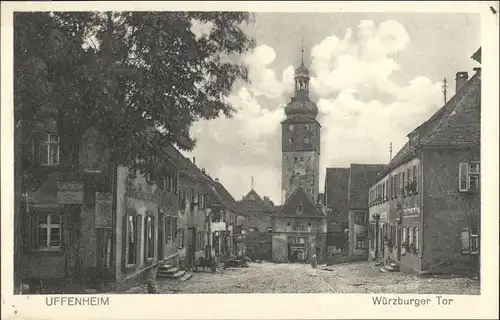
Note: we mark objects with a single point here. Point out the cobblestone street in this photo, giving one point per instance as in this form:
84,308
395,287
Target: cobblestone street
361,277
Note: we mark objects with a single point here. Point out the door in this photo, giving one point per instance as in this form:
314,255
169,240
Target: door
161,236
191,245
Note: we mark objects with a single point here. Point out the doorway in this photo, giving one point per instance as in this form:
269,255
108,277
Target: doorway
191,246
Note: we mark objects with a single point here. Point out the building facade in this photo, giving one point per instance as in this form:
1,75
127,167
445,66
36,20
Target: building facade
425,207
361,177
257,212
336,199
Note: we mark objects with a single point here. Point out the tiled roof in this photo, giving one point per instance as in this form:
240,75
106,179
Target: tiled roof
361,177
477,55
461,126
259,204
224,196
457,123
311,208
336,190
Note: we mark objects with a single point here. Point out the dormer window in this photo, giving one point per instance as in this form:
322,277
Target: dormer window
413,138
49,149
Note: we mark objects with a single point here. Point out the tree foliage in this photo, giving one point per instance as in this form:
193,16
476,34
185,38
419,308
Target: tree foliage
140,78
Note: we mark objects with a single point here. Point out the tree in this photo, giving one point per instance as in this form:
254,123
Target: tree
140,78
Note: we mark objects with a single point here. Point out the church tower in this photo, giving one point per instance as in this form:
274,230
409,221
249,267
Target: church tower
300,140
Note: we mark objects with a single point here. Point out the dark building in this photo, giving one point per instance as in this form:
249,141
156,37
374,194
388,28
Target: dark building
425,206
336,199
361,177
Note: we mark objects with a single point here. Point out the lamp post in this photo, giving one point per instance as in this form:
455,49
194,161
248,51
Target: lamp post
376,216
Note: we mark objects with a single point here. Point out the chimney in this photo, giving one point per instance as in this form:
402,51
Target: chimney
266,198
194,160
477,70
461,78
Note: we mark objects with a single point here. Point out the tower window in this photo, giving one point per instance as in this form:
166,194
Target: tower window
290,127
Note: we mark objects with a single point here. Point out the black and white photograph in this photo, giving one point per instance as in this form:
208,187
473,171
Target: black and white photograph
177,152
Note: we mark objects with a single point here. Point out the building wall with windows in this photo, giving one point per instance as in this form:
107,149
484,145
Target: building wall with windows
452,205
146,224
396,198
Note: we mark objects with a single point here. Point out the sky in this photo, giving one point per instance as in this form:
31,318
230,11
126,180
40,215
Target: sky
374,77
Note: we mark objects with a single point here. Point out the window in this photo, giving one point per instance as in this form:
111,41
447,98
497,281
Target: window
300,207
269,230
383,192
307,140
174,229
150,227
361,243
168,228
415,178
474,175
290,140
49,152
415,235
306,127
193,198
182,199
252,229
175,186
360,218
298,225
469,175
290,127
131,239
470,241
200,243
49,230
180,237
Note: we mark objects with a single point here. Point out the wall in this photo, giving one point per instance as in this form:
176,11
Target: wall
308,169
357,230
446,210
389,210
316,235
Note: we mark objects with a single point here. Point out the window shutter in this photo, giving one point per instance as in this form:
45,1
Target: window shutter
124,241
419,178
465,240
138,237
145,244
463,173
416,238
33,225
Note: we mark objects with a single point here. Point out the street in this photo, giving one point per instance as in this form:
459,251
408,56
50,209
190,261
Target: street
267,277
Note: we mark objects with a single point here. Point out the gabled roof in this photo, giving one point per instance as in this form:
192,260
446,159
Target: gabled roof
442,130
310,208
361,177
223,196
477,55
259,204
461,126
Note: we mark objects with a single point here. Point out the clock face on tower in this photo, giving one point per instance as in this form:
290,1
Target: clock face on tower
300,169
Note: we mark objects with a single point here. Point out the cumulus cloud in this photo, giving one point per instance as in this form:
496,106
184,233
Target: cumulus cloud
248,144
355,129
